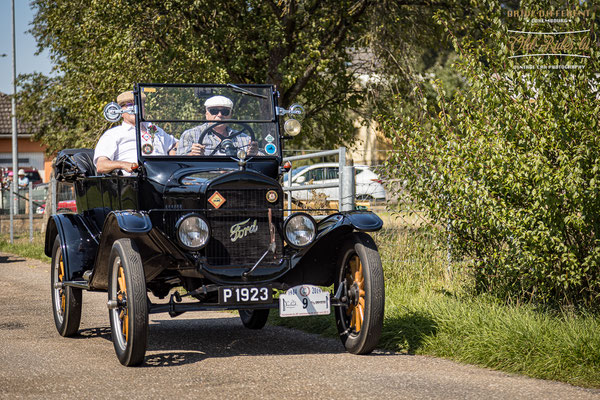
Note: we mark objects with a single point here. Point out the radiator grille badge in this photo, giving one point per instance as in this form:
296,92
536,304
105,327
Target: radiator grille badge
217,200
272,196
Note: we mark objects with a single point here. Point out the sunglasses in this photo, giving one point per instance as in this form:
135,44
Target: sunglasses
215,111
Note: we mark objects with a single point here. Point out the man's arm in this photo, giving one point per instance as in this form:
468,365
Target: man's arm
104,165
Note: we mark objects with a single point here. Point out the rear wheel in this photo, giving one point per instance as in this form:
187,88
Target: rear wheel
254,319
360,274
127,302
66,300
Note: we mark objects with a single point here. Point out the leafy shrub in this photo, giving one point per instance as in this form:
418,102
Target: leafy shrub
511,167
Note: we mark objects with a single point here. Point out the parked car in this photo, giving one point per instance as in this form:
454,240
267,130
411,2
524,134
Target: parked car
212,224
66,201
61,207
368,184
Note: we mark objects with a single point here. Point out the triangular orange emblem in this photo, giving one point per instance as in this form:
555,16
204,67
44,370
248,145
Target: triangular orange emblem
216,200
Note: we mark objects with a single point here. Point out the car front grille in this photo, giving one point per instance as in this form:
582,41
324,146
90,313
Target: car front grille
240,232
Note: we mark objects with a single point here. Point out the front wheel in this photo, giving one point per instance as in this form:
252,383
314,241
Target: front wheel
254,319
66,300
360,274
127,302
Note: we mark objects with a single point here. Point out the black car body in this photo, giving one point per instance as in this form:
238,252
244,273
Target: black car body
139,233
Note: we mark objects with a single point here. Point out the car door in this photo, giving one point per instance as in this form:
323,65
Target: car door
311,176
332,176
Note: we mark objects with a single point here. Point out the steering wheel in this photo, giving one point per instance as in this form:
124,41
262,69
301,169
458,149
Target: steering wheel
227,141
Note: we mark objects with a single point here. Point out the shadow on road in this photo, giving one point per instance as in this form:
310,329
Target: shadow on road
10,259
173,342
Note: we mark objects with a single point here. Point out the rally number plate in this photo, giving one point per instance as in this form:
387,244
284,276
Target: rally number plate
304,300
240,295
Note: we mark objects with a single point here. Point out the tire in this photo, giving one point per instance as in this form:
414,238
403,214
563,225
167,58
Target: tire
360,322
127,293
254,319
66,301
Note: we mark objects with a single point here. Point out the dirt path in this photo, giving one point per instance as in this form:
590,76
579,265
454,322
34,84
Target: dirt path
210,355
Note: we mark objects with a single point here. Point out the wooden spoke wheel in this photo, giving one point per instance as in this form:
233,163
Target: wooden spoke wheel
360,274
127,302
66,300
254,319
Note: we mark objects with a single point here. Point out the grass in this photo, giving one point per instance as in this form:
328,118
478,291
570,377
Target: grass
23,247
430,310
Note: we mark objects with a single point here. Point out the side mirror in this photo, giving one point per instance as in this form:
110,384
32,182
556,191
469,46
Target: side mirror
300,179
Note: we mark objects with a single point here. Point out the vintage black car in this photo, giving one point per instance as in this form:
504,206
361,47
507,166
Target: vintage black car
208,232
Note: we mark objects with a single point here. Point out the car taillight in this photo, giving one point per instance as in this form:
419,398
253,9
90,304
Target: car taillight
377,180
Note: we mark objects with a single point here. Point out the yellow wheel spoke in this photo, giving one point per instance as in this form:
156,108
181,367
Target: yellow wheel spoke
360,316
355,277
122,280
126,327
63,302
61,269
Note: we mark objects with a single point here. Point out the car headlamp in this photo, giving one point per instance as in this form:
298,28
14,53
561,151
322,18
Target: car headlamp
193,231
292,127
300,230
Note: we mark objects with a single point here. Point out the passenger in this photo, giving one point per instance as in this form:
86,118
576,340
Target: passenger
116,148
218,108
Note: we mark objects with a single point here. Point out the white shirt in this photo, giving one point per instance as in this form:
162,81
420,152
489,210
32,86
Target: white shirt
118,143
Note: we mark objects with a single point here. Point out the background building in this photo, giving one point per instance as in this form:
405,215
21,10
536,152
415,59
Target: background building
31,154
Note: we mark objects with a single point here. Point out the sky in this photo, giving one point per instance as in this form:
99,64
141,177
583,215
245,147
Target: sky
27,61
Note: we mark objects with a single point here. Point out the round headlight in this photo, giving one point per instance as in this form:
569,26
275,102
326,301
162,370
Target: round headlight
193,231
300,230
292,127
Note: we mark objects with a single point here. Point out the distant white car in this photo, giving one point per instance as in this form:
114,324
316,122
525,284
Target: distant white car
368,184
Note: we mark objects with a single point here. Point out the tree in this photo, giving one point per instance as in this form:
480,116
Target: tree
306,48
511,165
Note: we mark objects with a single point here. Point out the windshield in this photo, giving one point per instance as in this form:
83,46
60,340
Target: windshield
208,120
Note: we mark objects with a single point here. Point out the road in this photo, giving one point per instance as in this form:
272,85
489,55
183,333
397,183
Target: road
211,356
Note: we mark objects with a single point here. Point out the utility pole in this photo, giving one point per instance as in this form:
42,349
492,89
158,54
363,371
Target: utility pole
15,154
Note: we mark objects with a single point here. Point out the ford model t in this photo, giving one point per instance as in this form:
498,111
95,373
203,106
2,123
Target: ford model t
209,231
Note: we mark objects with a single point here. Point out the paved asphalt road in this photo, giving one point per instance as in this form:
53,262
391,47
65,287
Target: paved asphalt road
211,356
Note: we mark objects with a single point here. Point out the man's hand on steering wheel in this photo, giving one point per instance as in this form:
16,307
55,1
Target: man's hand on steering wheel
197,150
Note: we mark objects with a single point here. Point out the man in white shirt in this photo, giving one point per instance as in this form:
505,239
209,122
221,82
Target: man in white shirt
218,108
116,148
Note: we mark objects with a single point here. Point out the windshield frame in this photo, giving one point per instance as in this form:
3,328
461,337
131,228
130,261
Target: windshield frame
138,87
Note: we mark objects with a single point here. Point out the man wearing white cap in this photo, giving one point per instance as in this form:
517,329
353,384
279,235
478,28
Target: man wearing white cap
23,180
117,148
218,108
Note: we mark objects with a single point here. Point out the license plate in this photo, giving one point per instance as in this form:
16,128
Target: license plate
240,295
304,300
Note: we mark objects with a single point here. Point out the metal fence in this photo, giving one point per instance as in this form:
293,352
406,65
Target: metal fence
408,240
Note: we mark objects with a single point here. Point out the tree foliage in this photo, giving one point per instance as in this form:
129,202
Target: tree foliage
307,48
511,164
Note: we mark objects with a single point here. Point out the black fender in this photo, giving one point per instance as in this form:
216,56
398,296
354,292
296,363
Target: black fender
156,250
317,263
78,243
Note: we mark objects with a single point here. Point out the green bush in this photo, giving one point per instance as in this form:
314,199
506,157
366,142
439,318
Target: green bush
511,167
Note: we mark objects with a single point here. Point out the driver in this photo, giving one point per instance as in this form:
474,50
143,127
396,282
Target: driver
218,108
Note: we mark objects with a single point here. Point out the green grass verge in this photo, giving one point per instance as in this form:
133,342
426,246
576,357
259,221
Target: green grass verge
431,311
23,247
